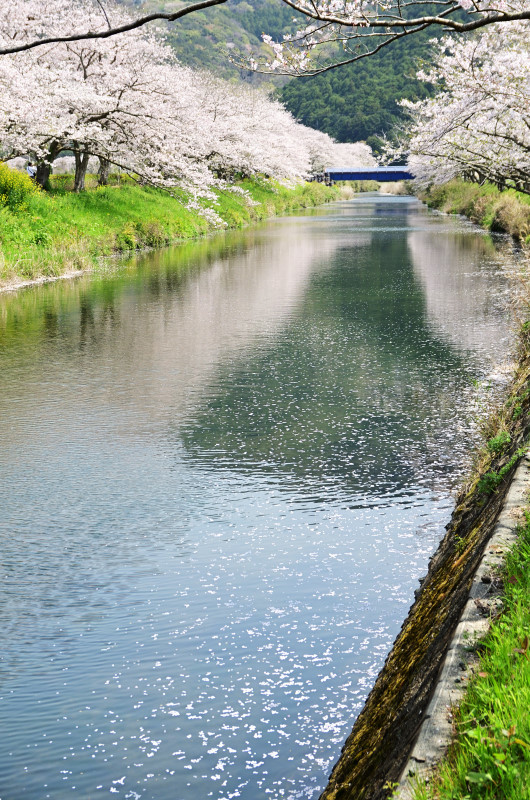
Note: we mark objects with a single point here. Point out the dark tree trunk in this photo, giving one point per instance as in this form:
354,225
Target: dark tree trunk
44,167
44,170
104,171
81,165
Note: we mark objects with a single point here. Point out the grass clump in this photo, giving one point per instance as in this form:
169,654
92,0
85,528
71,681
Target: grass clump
490,757
499,442
505,211
491,480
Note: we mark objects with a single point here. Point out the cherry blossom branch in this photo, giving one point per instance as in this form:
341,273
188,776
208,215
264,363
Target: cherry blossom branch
105,34
400,21
318,70
360,23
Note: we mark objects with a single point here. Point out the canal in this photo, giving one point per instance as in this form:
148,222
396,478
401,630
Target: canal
224,468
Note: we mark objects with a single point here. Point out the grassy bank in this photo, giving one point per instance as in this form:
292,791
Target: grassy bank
503,212
49,234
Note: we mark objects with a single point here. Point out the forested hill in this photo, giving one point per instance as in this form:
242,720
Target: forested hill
202,39
360,101
351,103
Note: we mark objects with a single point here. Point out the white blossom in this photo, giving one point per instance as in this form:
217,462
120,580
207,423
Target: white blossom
479,122
128,102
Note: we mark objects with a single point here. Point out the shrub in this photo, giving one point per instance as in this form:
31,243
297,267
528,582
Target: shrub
15,188
126,238
499,442
42,238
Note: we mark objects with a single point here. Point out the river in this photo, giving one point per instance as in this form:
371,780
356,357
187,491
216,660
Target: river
224,467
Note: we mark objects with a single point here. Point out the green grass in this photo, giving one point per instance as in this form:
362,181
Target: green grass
48,234
490,757
507,211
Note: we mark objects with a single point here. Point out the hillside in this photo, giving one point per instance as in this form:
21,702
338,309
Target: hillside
356,102
203,40
360,101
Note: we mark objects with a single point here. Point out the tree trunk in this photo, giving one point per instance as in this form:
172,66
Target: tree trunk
104,171
44,167
44,170
81,164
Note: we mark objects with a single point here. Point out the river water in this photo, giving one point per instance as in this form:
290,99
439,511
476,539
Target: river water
224,468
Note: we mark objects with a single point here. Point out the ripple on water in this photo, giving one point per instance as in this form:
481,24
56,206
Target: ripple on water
221,486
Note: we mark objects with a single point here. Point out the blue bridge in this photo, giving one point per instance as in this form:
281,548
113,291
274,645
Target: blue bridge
380,174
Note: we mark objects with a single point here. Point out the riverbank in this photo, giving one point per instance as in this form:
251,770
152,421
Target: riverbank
45,236
501,212
477,744
377,750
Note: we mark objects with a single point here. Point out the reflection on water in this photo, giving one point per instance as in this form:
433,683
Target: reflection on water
224,467
454,272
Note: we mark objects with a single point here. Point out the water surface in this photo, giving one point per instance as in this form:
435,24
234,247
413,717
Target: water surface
224,467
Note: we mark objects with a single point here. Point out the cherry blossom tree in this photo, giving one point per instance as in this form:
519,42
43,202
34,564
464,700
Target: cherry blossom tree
343,30
122,100
357,154
128,102
32,119
247,133
478,125
45,29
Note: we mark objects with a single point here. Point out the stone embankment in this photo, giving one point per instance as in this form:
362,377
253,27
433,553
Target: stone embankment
484,603
408,703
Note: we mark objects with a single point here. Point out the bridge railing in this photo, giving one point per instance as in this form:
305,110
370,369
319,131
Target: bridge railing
380,174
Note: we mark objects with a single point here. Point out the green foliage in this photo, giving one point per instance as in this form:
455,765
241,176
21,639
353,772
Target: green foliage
126,239
16,188
266,16
490,759
62,231
516,402
491,480
360,101
498,443
460,544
